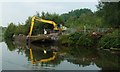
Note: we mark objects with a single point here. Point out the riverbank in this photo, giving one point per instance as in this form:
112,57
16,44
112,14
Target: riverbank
110,40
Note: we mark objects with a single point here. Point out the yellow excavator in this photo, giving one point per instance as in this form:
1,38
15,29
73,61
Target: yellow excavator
56,28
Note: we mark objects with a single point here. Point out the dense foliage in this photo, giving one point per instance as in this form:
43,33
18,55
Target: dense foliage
76,38
83,20
110,12
10,31
107,16
110,40
80,18
74,19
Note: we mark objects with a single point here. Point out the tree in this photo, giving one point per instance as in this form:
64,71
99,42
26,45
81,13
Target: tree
10,31
20,29
110,11
80,18
75,13
43,15
27,25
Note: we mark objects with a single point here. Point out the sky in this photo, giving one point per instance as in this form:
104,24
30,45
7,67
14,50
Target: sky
18,12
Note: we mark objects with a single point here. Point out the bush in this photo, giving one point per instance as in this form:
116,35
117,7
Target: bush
10,31
76,38
86,40
64,39
110,40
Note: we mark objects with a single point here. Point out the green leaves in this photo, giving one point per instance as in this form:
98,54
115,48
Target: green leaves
82,17
76,38
110,40
10,31
110,12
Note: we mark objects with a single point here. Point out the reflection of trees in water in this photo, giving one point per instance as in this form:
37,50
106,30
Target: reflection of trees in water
86,56
81,56
76,55
107,60
10,45
38,53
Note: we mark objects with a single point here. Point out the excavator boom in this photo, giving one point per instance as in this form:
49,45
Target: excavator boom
45,21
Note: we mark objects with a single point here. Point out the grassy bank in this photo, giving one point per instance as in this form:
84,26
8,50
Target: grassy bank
107,40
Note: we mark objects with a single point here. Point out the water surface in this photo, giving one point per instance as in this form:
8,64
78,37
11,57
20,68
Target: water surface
19,56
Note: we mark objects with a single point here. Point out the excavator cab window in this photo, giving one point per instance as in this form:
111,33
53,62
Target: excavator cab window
59,25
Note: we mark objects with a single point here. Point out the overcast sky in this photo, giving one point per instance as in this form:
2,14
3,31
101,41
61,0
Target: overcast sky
19,11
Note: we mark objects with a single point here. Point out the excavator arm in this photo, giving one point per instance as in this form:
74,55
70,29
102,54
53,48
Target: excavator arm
47,21
42,20
32,24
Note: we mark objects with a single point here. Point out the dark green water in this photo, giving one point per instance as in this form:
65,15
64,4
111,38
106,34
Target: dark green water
17,56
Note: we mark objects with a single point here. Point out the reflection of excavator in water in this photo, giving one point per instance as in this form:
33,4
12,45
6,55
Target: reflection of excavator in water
59,28
44,52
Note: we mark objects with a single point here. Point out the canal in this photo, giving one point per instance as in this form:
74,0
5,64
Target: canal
19,56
